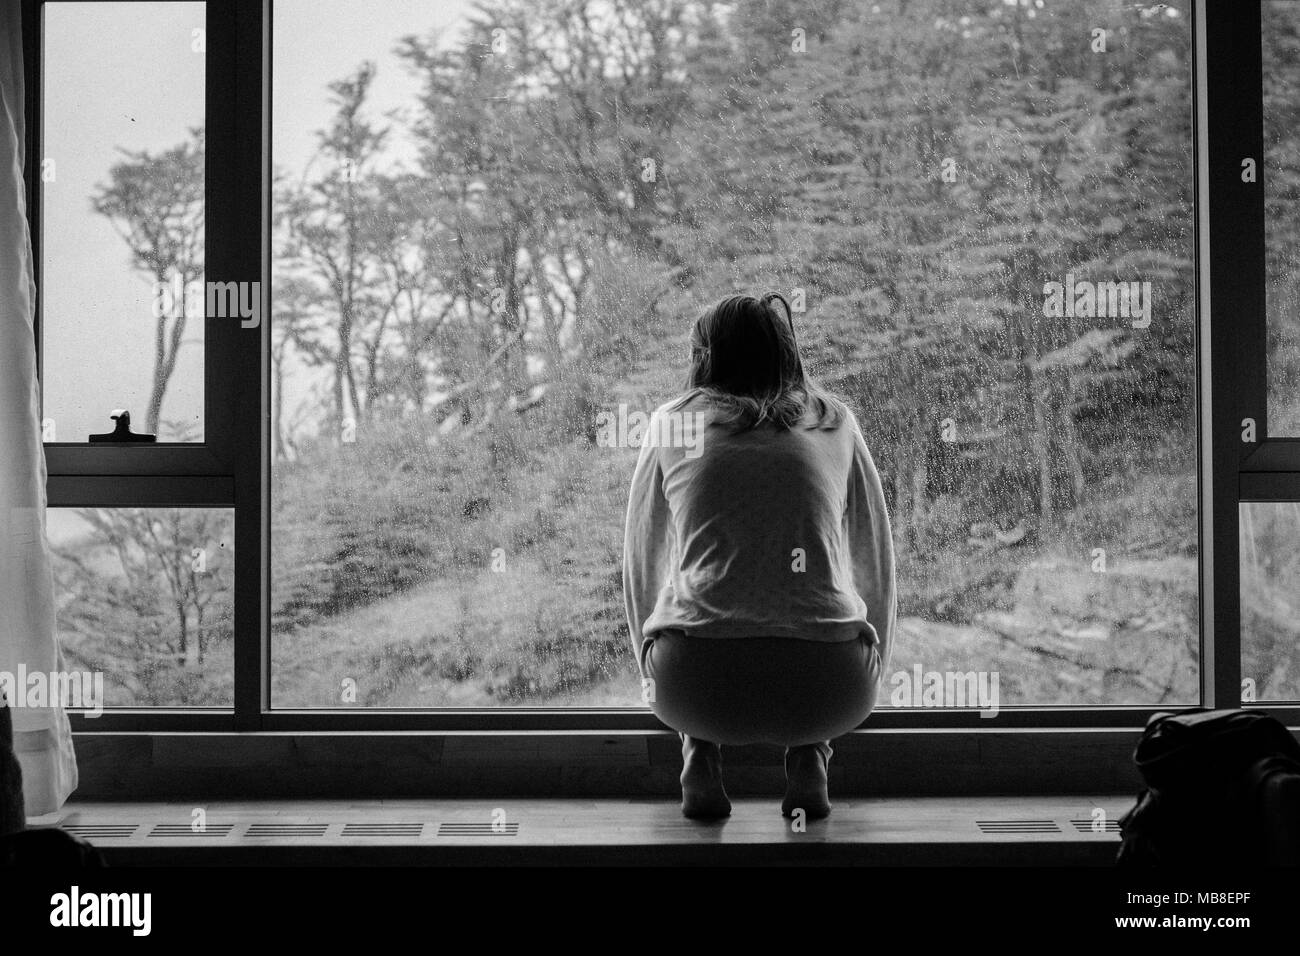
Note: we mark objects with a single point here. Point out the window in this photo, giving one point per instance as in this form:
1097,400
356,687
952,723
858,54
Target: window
1269,476
479,233
133,210
495,223
1270,484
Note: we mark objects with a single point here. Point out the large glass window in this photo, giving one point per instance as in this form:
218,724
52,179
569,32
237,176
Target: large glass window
495,222
122,213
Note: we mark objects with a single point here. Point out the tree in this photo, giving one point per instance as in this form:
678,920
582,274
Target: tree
332,237
184,549
155,201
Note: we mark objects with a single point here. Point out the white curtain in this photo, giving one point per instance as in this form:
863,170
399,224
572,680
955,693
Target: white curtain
27,635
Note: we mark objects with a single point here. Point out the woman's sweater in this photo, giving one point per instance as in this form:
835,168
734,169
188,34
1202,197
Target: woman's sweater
769,532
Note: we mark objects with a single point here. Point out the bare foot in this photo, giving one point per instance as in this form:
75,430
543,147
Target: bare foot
806,781
703,796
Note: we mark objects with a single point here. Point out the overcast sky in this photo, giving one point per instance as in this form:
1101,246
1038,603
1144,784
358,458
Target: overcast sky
124,76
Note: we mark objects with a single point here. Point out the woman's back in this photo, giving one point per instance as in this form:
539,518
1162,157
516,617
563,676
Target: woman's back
759,519
758,526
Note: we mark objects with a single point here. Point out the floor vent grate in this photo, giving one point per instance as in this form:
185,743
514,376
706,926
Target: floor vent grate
185,830
1017,826
1086,826
103,831
383,830
478,829
286,830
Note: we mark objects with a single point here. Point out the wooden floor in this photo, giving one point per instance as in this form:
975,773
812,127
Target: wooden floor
880,831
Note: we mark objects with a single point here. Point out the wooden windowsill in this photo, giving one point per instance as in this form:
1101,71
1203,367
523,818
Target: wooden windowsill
1045,830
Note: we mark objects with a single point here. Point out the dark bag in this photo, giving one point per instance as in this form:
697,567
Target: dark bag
1222,789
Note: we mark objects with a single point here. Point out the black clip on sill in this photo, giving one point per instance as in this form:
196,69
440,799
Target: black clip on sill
122,434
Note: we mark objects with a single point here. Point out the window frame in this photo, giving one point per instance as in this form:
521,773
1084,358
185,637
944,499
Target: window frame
1269,469
228,470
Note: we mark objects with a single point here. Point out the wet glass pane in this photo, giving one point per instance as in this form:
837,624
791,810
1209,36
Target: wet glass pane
1270,601
1281,56
122,219
496,221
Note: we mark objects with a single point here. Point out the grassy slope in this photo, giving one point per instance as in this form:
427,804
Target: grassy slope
548,628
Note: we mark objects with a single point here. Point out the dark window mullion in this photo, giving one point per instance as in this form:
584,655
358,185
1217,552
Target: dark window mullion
1270,486
238,59
142,491
1232,116
145,459
1274,454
